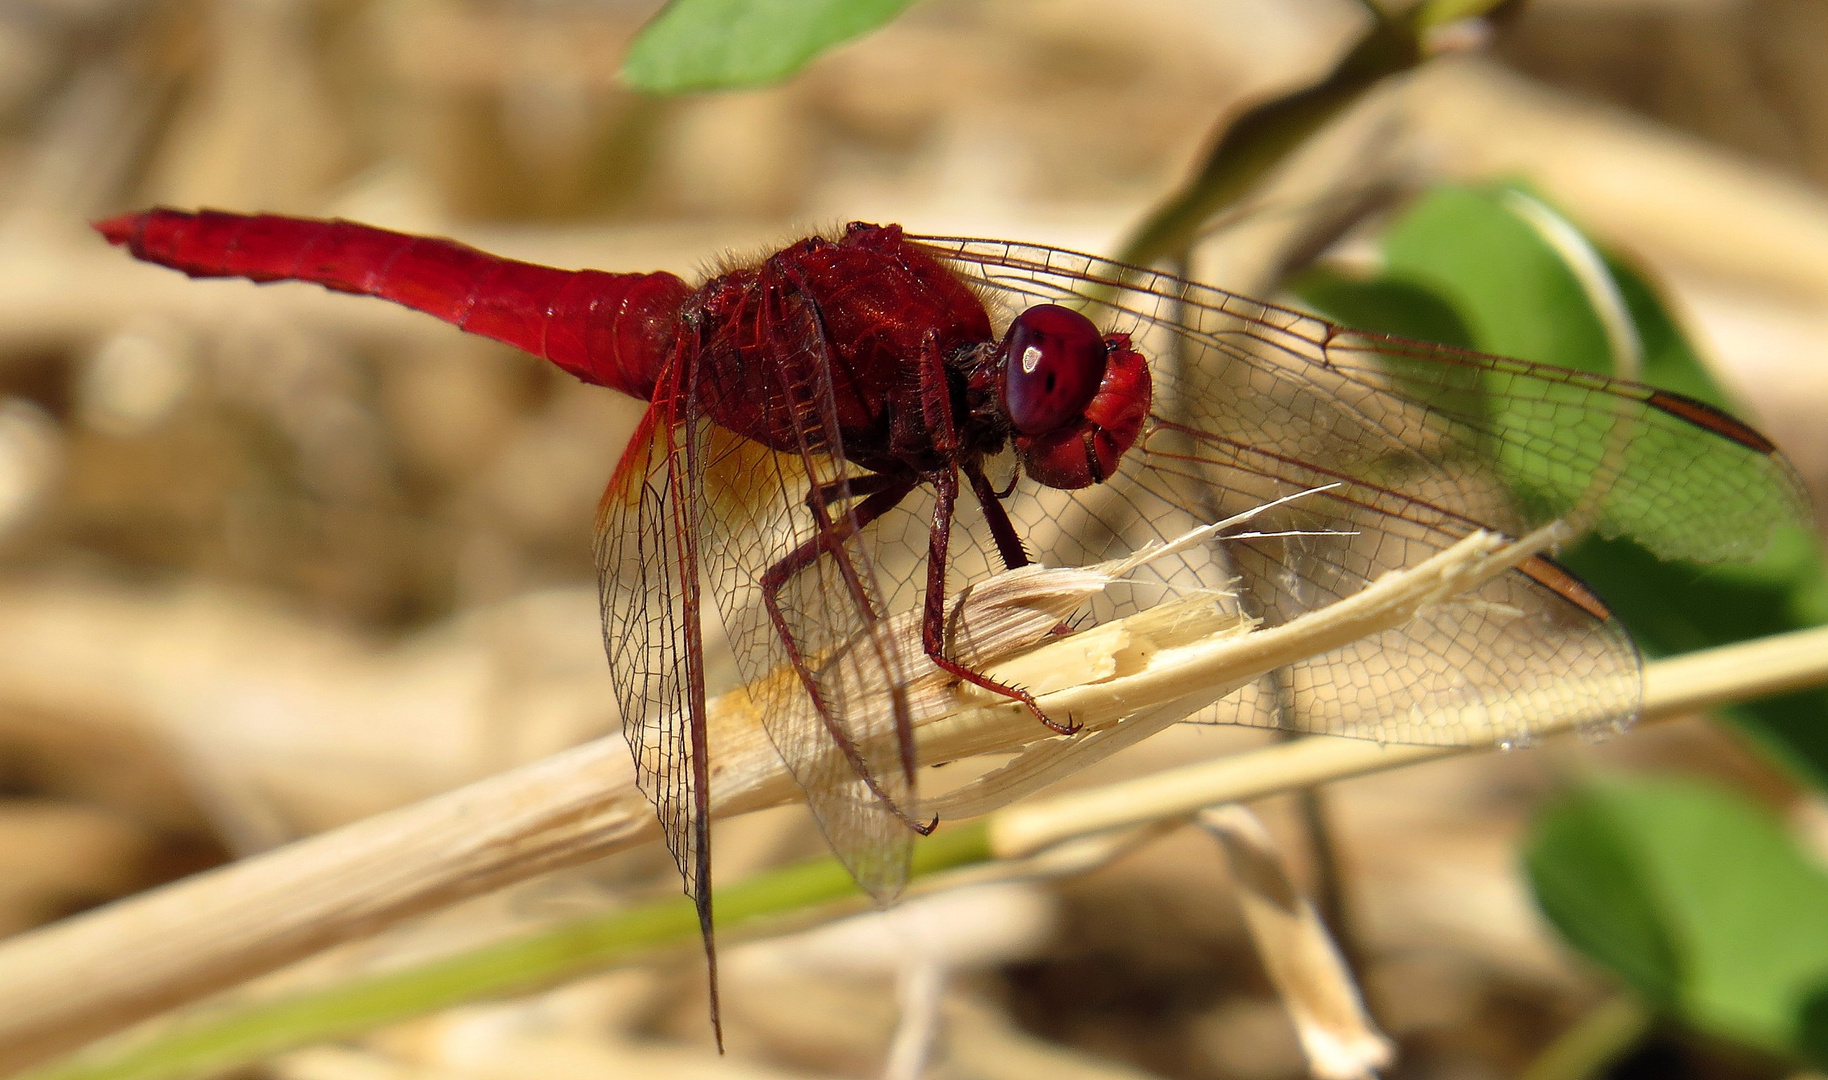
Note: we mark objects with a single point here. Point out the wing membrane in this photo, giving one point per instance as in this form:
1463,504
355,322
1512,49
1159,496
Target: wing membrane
648,584
800,597
1510,443
1421,444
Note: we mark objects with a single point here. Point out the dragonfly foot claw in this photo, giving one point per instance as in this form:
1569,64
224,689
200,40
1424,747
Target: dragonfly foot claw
1068,728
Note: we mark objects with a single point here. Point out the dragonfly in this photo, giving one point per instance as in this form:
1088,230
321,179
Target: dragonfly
840,431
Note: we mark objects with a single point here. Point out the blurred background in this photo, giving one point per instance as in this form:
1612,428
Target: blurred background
276,559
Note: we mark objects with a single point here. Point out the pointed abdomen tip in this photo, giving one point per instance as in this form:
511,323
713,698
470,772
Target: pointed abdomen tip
119,230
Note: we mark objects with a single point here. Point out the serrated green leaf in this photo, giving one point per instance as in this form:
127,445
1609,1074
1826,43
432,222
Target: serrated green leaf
1695,897
724,44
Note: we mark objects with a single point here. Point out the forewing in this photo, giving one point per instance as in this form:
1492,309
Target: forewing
828,682
1421,445
648,583
1525,649
1505,442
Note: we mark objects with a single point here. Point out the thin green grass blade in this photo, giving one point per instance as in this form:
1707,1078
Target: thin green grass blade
212,1040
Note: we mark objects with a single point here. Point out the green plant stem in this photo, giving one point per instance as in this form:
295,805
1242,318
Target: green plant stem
1595,1041
1247,149
1265,135
220,1038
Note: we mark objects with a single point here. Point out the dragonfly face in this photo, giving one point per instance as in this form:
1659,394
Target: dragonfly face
1075,398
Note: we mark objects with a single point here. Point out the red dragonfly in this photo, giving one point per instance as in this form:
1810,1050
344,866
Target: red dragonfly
815,415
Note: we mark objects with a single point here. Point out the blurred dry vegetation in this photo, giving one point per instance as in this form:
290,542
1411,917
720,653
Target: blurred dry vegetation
276,559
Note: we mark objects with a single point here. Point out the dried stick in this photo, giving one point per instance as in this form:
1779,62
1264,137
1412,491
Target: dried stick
74,981
204,1041
1677,686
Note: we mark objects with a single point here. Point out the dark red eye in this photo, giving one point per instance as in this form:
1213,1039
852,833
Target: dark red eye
1053,361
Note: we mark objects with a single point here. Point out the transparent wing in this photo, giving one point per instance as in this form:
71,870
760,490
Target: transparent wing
1502,441
1527,648
799,593
1423,444
648,584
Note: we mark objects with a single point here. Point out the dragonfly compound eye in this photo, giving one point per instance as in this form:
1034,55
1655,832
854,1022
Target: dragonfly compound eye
1053,361
1089,447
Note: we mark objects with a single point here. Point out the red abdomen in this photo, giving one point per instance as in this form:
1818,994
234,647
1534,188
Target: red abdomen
615,330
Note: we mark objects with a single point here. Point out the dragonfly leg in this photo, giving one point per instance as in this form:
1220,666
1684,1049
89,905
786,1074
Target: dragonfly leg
830,542
1009,545
823,495
933,617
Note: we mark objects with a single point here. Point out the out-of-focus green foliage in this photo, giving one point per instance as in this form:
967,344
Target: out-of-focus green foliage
725,44
1509,291
208,1042
1694,897
1246,148
1691,896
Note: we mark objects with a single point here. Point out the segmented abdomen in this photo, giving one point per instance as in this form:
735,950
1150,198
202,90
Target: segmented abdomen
616,330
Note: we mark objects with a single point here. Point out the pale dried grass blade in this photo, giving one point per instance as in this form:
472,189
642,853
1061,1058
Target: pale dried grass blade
1337,1035
71,982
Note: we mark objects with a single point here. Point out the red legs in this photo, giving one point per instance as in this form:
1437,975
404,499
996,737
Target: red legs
937,409
824,495
818,500
933,616
885,494
882,492
1009,545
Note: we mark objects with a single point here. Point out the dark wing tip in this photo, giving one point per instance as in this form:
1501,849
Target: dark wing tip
1718,421
1557,579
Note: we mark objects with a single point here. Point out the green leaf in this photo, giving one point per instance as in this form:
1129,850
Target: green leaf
1512,290
1813,1022
1382,305
1518,298
1677,607
1513,293
1589,885
722,44
1695,897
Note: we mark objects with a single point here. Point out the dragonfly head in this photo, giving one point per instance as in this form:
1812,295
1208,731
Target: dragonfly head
1075,398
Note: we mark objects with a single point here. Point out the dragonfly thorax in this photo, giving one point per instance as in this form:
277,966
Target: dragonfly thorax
897,355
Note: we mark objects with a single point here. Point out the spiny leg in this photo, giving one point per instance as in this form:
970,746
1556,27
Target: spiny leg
933,616
829,541
818,500
823,495
1009,545
936,409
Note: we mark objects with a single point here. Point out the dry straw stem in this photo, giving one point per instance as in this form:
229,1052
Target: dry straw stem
74,981
1678,686
1299,956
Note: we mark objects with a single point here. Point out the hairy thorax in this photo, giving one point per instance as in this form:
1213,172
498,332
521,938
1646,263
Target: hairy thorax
897,338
